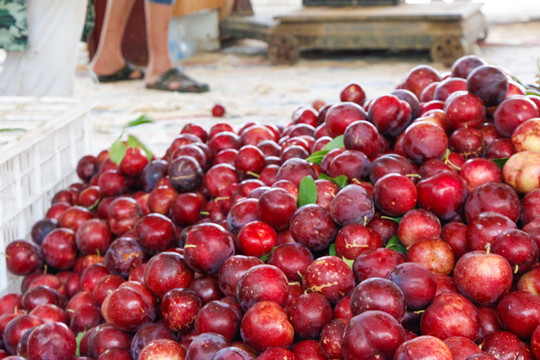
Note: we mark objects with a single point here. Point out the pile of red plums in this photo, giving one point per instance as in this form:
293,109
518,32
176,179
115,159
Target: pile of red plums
404,227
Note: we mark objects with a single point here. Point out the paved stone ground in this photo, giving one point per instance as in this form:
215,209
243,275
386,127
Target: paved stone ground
251,88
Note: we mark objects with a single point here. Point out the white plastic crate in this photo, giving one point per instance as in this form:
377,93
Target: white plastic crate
36,162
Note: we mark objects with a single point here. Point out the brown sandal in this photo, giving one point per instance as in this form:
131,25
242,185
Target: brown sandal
123,74
187,84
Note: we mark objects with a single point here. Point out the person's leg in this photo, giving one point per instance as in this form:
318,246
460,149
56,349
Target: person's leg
108,58
47,68
158,15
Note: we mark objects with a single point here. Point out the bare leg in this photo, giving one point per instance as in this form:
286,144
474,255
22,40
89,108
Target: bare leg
158,17
109,58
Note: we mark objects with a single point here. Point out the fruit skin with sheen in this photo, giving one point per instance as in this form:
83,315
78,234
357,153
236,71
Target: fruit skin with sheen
463,66
479,267
395,194
16,328
489,83
313,227
390,115
478,171
513,112
423,141
166,271
185,173
416,282
309,313
352,203
362,136
277,353
419,77
526,137
378,294
353,92
130,307
218,110
155,233
207,247
417,225
123,255
59,249
450,314
133,162
22,257
376,263
262,283
93,236
340,115
256,238
275,207
51,341
372,335
265,325
329,276
424,347
522,171
493,196
354,239
464,109
179,308
443,194
163,349
519,312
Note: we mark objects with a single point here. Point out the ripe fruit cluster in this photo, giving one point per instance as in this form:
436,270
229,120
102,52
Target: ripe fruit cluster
384,228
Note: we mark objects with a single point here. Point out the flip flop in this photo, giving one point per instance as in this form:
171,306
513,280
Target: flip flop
123,74
187,84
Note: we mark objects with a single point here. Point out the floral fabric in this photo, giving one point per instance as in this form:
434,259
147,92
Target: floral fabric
14,29
13,25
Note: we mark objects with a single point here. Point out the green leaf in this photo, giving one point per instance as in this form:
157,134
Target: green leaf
78,340
143,119
340,180
12,129
307,191
500,162
517,80
348,261
532,92
395,244
332,250
117,151
132,141
336,143
265,258
316,157
396,219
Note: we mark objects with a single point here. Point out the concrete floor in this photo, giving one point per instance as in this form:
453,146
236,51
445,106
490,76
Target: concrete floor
251,88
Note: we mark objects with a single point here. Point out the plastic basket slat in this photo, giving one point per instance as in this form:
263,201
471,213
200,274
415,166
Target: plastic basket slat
36,164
